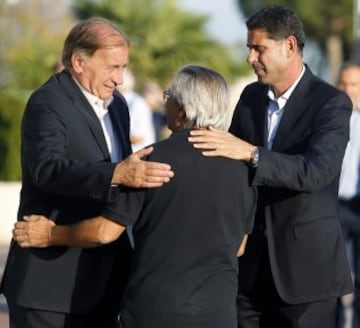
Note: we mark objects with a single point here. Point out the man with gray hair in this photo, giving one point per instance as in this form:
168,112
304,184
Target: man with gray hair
75,153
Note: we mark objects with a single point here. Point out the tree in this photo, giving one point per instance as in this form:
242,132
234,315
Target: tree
163,37
328,24
31,37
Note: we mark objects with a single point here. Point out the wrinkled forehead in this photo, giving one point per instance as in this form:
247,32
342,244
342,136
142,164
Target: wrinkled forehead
111,37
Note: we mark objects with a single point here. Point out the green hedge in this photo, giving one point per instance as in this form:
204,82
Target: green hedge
12,104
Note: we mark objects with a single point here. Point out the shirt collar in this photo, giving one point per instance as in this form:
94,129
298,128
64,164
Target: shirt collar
94,100
285,96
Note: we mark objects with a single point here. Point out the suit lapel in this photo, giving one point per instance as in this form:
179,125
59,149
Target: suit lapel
261,122
119,124
294,109
79,100
259,113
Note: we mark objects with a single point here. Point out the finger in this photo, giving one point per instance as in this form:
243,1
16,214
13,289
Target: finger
20,225
150,185
200,132
211,153
24,244
20,237
143,152
161,169
19,232
205,145
31,218
154,181
211,140
156,178
211,128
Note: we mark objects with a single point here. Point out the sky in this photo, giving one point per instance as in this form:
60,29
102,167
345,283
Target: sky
226,22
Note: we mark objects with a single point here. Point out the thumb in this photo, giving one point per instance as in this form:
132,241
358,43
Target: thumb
211,128
143,152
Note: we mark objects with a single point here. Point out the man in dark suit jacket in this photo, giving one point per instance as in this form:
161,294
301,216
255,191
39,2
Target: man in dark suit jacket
75,135
292,129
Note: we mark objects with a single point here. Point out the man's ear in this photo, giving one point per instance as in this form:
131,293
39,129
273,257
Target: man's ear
291,46
77,62
180,116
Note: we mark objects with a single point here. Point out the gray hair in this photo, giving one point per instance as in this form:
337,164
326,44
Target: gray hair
90,35
204,95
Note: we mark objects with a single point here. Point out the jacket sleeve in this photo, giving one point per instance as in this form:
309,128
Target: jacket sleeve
47,161
320,161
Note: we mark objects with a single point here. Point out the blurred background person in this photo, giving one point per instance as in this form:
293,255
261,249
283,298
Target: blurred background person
142,132
349,192
153,95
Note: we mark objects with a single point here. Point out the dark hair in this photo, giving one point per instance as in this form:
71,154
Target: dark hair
90,35
279,22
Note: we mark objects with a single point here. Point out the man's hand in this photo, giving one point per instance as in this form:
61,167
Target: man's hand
221,143
242,247
134,172
34,231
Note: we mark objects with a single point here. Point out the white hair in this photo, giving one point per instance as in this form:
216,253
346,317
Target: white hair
204,95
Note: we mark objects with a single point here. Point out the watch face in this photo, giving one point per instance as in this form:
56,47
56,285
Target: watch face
255,157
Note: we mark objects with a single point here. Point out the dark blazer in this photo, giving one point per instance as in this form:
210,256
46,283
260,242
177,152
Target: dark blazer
298,186
66,174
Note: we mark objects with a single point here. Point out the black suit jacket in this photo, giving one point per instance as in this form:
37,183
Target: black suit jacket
66,174
298,185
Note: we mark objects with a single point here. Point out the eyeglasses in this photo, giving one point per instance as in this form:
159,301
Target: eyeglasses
166,95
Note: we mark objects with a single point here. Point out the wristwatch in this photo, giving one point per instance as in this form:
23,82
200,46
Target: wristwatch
254,159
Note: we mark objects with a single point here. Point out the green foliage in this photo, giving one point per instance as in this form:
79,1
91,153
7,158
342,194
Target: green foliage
321,18
11,109
31,65
163,37
31,37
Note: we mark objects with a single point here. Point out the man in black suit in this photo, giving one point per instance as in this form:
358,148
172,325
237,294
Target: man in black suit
292,129
75,138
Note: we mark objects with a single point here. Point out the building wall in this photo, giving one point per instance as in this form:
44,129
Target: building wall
9,201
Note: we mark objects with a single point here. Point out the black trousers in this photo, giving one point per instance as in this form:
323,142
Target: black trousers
262,307
21,317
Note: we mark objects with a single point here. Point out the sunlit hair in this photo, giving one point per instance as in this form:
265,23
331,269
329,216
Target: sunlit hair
279,22
204,95
90,35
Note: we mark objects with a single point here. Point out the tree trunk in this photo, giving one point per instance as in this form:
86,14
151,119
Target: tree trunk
335,55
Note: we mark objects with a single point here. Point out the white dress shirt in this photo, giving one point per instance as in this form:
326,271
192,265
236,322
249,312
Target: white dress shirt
100,108
276,109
